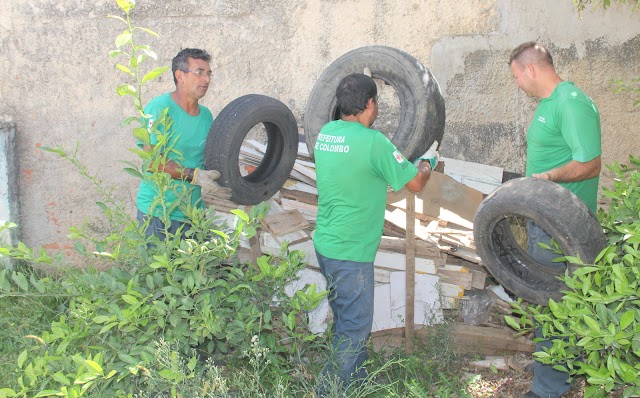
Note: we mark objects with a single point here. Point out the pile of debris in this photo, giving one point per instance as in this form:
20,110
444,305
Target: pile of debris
449,274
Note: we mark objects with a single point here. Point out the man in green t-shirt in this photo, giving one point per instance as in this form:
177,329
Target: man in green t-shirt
564,146
354,167
183,146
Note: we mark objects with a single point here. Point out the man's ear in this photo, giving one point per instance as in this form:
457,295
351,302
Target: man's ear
371,103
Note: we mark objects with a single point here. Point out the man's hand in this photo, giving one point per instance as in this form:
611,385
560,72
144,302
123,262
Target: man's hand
432,156
210,189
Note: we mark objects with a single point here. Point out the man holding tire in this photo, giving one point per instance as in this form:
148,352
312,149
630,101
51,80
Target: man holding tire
354,166
181,125
564,146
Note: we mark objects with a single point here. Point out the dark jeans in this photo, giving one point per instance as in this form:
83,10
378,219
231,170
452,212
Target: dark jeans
156,226
547,381
351,288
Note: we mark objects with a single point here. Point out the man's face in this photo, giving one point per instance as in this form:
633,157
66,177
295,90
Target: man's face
197,78
523,77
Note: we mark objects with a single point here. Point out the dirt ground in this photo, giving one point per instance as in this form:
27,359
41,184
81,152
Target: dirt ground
510,384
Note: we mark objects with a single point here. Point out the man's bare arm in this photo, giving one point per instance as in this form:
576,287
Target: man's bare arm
418,182
170,167
572,171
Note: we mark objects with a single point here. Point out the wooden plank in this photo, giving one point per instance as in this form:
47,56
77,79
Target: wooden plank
397,261
482,177
398,245
284,223
488,340
462,278
398,218
410,273
464,253
299,196
445,199
310,212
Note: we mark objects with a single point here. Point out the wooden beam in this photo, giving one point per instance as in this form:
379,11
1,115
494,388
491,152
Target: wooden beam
410,272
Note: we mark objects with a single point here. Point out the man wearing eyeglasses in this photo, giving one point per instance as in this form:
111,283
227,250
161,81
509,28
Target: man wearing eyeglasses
182,134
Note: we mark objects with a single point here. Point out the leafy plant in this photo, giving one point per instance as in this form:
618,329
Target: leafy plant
596,327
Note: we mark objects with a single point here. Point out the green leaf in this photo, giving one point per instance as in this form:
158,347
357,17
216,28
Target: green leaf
125,89
125,70
7,392
119,19
240,214
148,31
61,378
85,378
21,358
123,39
592,323
142,134
133,172
130,299
126,5
627,319
49,393
154,73
95,366
20,280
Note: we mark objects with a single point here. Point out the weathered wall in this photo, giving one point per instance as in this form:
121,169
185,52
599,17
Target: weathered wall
59,83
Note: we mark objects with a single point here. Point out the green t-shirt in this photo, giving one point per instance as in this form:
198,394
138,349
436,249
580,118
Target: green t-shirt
566,127
354,166
186,139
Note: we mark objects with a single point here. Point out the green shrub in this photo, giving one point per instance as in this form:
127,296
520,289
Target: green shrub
596,326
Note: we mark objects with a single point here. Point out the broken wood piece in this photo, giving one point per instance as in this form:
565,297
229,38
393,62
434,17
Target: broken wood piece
310,212
445,199
397,245
398,218
488,340
299,196
284,223
460,277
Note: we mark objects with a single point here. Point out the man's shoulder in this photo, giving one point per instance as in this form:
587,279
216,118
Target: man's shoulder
160,101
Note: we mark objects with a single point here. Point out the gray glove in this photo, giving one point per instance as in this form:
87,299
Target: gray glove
432,156
210,189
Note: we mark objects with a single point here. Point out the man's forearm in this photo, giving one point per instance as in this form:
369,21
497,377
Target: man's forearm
573,171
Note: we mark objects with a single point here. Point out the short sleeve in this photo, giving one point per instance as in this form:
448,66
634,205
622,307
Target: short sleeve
389,163
580,128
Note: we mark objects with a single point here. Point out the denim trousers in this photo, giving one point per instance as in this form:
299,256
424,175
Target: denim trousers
156,226
351,286
547,381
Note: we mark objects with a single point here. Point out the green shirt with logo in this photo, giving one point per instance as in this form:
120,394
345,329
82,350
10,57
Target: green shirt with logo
354,167
566,127
185,145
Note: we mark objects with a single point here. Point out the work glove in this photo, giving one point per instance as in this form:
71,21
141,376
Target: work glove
432,156
210,189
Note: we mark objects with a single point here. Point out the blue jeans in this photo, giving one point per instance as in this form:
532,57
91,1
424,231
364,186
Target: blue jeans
351,286
156,226
547,381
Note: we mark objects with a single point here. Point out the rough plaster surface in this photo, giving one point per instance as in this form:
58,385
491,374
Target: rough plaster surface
58,82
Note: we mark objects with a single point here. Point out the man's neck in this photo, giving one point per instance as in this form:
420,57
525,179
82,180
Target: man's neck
189,105
550,85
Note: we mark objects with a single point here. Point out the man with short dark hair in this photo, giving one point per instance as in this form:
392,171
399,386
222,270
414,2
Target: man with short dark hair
188,125
564,146
354,166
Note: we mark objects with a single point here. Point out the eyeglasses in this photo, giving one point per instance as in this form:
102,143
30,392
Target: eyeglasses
199,72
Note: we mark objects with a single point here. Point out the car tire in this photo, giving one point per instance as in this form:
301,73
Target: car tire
554,208
227,134
422,111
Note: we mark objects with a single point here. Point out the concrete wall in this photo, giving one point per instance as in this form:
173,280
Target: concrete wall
58,81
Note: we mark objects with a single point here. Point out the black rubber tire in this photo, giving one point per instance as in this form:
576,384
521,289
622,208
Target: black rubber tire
554,208
229,130
422,112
